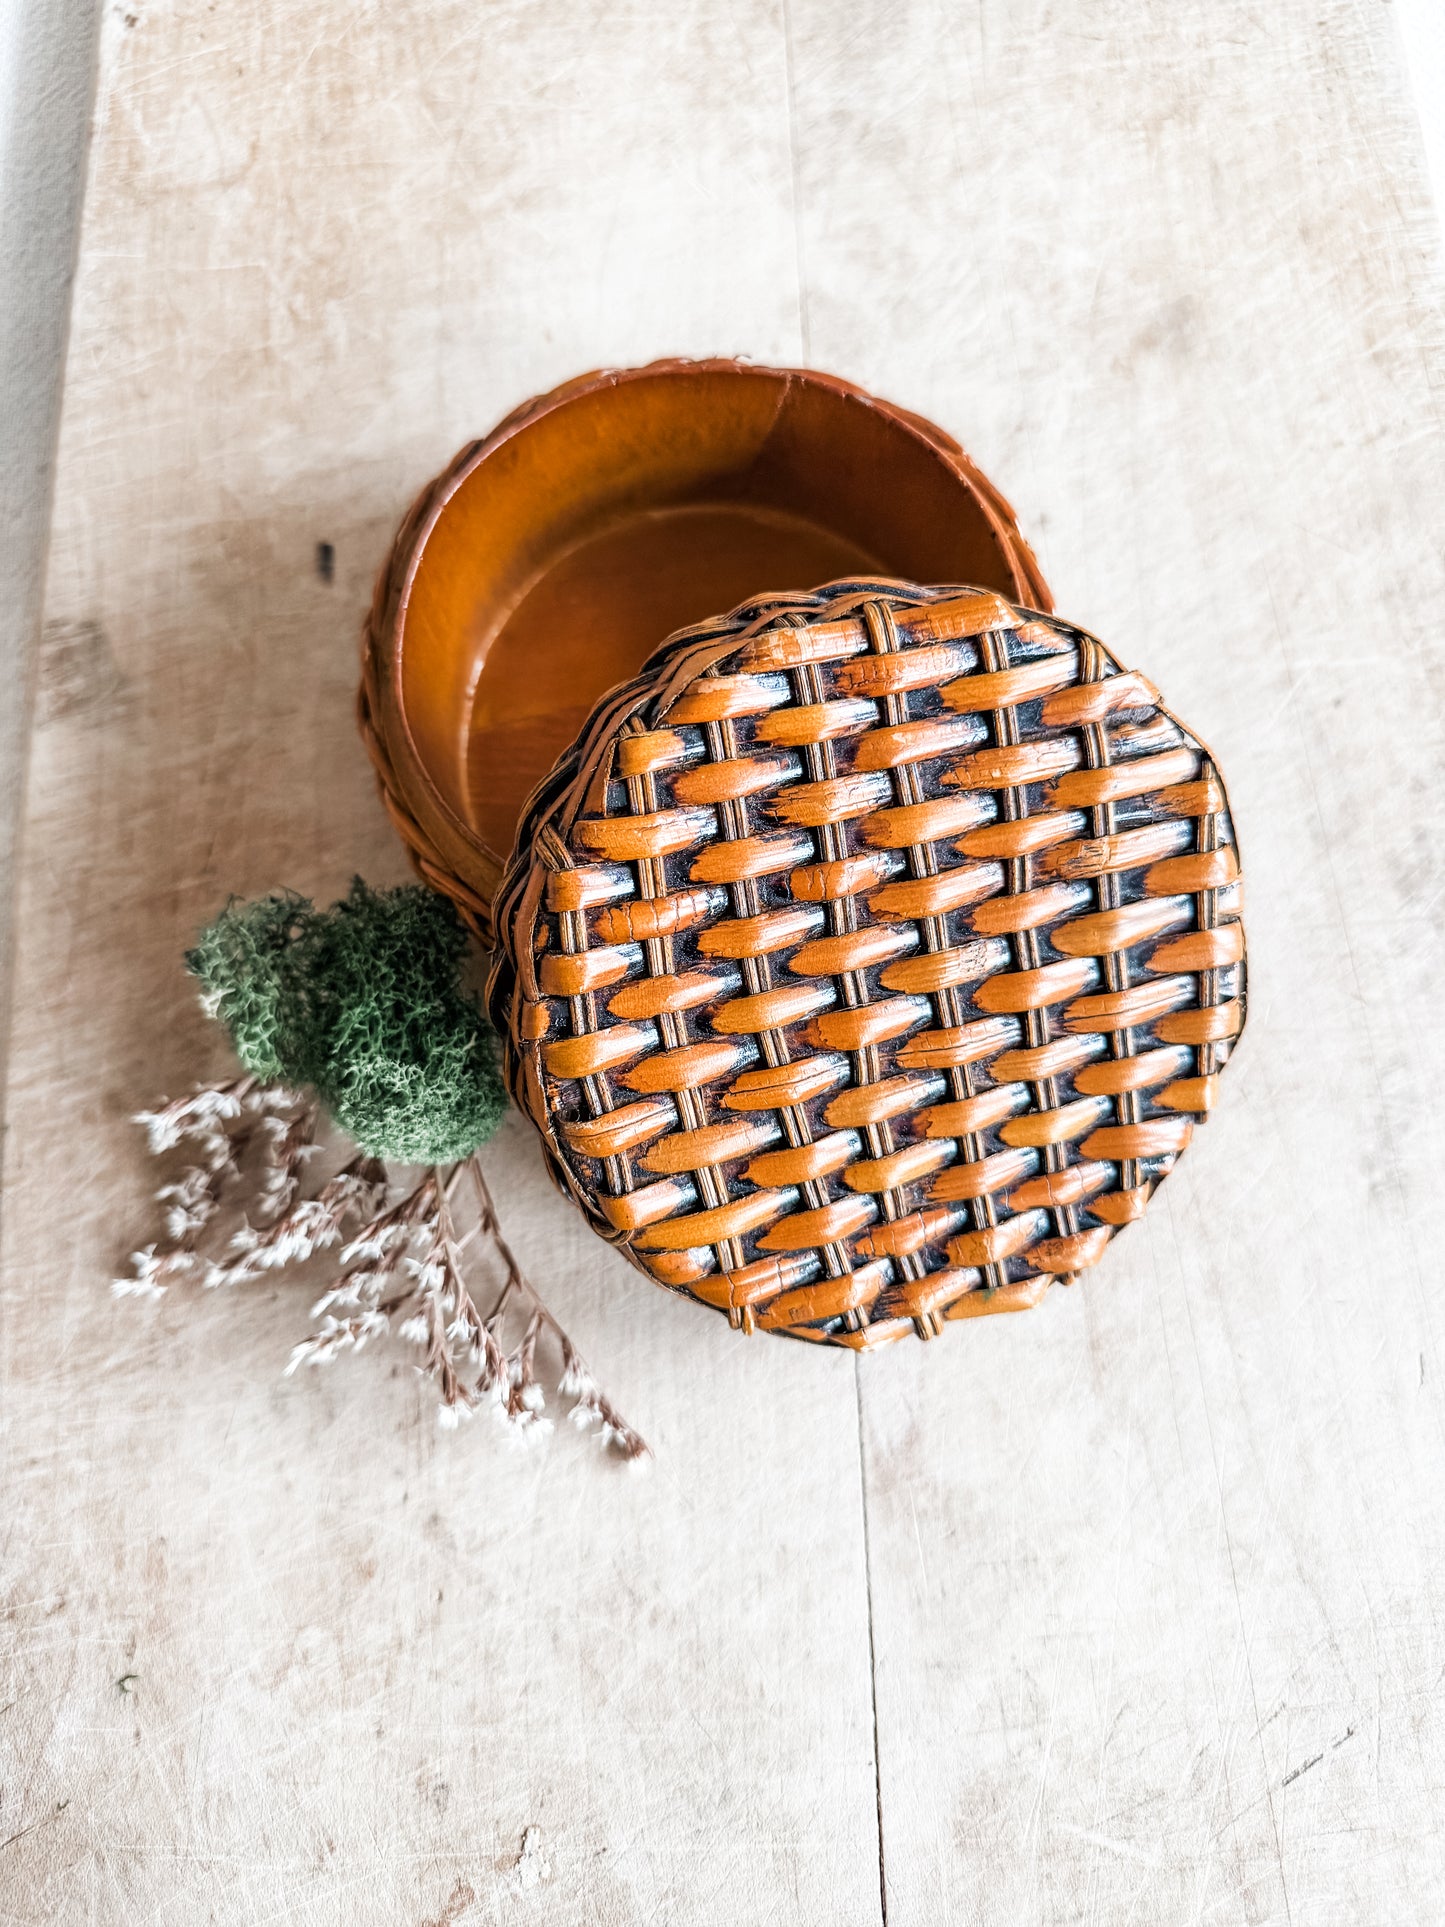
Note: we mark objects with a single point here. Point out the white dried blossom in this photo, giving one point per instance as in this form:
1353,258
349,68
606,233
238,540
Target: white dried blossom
183,1222
592,1411
286,1248
149,1270
189,1188
277,1191
194,1116
350,1191
374,1242
158,1128
336,1336
162,1130
612,1435
429,1272
322,1220
576,1381
304,1152
266,1099
216,1275
521,1426
136,1288
415,1330
217,1151
313,1220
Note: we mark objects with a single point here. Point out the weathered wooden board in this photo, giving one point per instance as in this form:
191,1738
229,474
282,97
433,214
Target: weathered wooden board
1138,1595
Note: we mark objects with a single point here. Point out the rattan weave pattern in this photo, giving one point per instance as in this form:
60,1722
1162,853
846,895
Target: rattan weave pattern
869,959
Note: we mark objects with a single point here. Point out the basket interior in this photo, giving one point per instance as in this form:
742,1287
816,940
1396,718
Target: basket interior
628,509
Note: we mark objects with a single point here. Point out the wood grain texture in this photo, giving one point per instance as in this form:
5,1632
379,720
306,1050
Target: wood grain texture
1144,1604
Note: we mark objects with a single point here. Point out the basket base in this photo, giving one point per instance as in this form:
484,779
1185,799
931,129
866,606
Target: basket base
597,608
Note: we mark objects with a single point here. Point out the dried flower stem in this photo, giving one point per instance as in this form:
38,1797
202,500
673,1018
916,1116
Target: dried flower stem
403,1269
590,1404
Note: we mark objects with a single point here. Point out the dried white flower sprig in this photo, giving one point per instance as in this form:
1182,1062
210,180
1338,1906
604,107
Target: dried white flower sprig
407,1268
223,1122
362,1011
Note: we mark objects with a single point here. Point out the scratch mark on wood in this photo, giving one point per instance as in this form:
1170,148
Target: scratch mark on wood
43,1821
872,1648
1290,1778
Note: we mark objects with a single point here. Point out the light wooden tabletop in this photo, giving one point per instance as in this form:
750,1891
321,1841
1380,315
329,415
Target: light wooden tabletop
1129,1609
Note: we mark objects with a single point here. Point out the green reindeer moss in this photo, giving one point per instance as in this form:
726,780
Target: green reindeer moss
365,1005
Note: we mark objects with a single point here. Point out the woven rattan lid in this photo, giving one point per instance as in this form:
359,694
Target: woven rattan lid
871,958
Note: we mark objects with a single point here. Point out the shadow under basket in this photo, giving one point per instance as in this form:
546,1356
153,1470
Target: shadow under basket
549,560
865,956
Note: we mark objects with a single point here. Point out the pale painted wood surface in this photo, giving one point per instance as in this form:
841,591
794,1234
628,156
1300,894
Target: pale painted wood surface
1128,1610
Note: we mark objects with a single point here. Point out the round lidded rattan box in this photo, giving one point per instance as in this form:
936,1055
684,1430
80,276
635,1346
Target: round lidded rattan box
869,956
